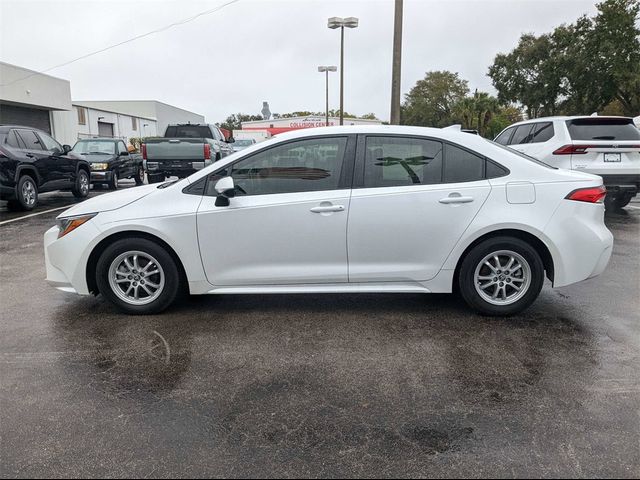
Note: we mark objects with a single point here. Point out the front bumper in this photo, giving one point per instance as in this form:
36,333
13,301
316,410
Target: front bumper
101,176
66,258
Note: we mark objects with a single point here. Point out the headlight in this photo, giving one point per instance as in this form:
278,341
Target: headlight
99,166
68,224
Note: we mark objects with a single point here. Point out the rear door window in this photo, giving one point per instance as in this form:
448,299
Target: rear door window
30,139
522,135
13,141
398,161
542,132
595,128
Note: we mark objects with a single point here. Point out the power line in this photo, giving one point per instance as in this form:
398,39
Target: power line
132,39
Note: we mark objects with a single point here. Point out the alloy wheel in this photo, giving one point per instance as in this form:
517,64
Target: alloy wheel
136,277
29,193
502,277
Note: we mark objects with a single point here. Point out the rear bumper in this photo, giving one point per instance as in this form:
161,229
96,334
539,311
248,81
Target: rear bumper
7,192
627,183
180,168
582,244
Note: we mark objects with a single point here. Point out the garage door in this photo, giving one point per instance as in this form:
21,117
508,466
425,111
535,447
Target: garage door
29,117
105,129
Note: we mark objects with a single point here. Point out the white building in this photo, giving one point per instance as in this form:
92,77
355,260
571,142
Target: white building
33,99
30,98
162,113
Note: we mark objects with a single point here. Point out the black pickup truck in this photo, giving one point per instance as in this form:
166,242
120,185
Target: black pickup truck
183,150
110,161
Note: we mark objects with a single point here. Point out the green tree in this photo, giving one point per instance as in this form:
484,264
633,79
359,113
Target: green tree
234,121
475,112
430,102
578,68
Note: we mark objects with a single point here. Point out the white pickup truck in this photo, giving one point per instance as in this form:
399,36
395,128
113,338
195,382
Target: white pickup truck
183,150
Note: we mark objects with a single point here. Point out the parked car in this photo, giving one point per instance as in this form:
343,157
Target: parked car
32,162
341,209
243,143
110,161
605,146
183,150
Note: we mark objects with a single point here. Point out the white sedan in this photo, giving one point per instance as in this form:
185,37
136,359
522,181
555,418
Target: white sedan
341,209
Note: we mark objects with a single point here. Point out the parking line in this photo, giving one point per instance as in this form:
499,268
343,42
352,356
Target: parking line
633,206
34,214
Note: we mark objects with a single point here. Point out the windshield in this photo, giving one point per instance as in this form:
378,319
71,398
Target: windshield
95,147
244,143
603,129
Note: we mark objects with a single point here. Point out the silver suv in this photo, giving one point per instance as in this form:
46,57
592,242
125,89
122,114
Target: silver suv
605,146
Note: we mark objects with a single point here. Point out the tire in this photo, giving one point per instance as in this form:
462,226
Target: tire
474,274
113,183
26,194
81,188
157,178
618,202
112,265
139,176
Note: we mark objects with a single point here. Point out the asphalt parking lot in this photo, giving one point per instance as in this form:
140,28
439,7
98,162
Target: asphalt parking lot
310,385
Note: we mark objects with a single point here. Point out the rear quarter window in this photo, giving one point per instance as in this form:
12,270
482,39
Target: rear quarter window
603,129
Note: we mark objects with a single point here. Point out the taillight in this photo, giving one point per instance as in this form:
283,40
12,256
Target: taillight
589,195
207,151
573,149
144,151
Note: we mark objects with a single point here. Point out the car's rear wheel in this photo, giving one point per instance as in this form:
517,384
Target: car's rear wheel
26,194
139,177
157,178
618,201
138,275
501,276
81,188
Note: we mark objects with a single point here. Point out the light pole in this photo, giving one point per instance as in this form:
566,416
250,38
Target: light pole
326,70
397,64
341,23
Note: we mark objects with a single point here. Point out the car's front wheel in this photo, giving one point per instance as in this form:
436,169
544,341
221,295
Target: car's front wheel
138,275
81,188
501,276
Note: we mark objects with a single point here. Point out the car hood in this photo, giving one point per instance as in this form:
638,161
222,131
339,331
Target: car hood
102,158
110,201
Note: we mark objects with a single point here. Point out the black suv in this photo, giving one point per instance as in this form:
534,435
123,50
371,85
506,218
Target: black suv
32,162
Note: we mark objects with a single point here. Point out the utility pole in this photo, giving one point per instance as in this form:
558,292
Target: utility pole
341,23
397,64
326,70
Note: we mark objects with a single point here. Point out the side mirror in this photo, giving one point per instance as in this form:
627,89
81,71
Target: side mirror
123,154
226,189
231,140
66,148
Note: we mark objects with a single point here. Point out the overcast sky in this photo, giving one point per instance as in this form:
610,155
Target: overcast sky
265,50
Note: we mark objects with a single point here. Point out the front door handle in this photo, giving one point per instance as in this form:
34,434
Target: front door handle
455,198
328,208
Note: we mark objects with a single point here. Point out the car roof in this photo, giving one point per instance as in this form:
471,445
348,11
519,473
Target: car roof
5,127
563,118
101,139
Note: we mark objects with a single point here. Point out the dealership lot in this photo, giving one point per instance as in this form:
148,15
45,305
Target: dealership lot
352,385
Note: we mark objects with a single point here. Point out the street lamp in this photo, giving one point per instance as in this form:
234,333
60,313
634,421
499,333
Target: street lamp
326,70
341,23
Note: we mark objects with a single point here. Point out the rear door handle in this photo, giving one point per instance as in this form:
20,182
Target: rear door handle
328,208
455,198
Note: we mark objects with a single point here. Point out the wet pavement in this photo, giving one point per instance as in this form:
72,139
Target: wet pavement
318,385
